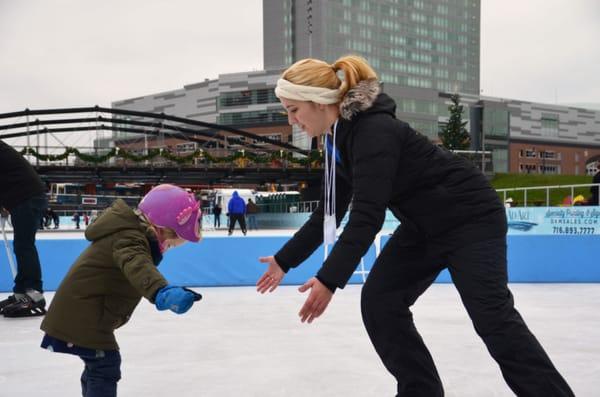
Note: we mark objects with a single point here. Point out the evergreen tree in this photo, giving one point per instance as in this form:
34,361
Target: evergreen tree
454,136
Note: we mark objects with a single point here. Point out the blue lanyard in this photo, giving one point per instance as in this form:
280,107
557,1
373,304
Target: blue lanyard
329,146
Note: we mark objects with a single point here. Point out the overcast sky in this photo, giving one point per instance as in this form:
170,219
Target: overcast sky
61,53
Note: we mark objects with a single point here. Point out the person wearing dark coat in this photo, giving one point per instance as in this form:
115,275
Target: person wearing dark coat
236,210
251,210
23,194
450,218
77,219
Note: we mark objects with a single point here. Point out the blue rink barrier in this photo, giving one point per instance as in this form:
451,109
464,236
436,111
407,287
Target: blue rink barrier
227,261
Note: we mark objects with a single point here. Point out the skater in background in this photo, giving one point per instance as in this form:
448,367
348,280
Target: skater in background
23,194
77,219
55,219
251,210
217,214
236,210
46,220
450,218
108,280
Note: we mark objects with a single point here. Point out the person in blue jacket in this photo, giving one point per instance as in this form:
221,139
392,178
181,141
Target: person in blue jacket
450,218
236,210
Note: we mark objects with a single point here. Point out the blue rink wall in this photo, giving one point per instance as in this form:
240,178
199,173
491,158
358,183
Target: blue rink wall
221,261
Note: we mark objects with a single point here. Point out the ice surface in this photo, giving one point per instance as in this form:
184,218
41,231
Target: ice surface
237,342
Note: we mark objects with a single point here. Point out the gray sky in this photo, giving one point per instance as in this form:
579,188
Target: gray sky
61,53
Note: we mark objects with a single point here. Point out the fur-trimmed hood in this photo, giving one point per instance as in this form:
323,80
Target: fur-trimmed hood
359,98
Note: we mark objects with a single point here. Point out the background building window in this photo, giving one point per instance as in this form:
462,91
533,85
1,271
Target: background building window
550,125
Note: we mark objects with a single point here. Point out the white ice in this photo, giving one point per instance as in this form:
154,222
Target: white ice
237,342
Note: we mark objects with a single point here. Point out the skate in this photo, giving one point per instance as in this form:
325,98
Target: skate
6,302
30,304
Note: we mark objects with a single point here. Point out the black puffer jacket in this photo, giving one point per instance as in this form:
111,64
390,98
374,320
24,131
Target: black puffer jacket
436,195
18,179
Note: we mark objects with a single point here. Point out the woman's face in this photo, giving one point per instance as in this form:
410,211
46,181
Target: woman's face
313,118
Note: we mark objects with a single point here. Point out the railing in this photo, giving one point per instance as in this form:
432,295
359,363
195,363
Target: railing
521,196
293,207
135,156
88,200
525,196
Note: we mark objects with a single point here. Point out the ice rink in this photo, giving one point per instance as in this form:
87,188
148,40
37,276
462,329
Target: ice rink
237,342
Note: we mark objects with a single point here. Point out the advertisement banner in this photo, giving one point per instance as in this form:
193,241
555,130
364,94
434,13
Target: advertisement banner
577,220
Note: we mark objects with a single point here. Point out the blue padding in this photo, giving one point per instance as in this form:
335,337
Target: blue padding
554,259
547,259
56,256
234,261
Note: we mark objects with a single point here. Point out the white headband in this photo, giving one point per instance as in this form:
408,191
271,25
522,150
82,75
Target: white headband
324,96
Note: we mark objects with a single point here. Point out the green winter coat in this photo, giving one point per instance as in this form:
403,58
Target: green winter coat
106,282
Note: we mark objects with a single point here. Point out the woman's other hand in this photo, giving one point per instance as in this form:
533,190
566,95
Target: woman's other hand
317,300
272,277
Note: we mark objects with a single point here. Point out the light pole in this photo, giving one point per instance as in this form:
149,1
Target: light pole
477,130
482,147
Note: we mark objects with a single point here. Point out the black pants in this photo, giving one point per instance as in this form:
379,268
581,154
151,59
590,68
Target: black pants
26,221
401,274
217,220
239,218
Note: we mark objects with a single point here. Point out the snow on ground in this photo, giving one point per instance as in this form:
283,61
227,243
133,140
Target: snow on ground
237,342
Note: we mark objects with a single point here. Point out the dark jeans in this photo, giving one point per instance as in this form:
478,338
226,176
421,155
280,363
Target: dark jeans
239,218
26,221
402,273
101,374
217,221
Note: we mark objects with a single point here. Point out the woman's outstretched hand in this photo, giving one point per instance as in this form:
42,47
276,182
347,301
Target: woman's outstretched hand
317,300
272,277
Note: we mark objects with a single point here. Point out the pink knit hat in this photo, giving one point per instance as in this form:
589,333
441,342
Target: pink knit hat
171,206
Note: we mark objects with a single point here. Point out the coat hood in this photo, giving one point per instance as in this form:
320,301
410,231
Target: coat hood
366,97
235,194
116,218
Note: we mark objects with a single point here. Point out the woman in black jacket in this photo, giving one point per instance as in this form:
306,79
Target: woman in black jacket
450,218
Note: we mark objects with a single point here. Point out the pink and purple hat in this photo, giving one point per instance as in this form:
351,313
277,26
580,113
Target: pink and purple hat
171,206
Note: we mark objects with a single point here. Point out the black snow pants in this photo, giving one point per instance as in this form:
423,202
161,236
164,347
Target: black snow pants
402,273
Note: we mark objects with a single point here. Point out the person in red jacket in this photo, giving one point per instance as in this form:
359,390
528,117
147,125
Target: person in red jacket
450,217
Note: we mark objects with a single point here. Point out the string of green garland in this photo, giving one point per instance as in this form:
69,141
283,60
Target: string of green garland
312,157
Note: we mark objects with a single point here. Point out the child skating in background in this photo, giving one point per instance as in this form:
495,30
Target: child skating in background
108,280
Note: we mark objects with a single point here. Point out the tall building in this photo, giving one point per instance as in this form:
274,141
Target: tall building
415,43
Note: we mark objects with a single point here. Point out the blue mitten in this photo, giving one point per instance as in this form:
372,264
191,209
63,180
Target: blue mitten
176,299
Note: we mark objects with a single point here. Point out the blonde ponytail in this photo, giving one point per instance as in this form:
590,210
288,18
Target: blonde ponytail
316,73
355,69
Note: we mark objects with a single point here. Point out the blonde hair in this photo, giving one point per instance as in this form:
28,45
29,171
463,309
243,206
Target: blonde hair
167,232
316,73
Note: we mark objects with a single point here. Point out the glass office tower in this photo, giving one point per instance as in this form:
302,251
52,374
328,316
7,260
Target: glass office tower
431,44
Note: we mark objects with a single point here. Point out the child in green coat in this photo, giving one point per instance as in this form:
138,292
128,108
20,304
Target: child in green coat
108,280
